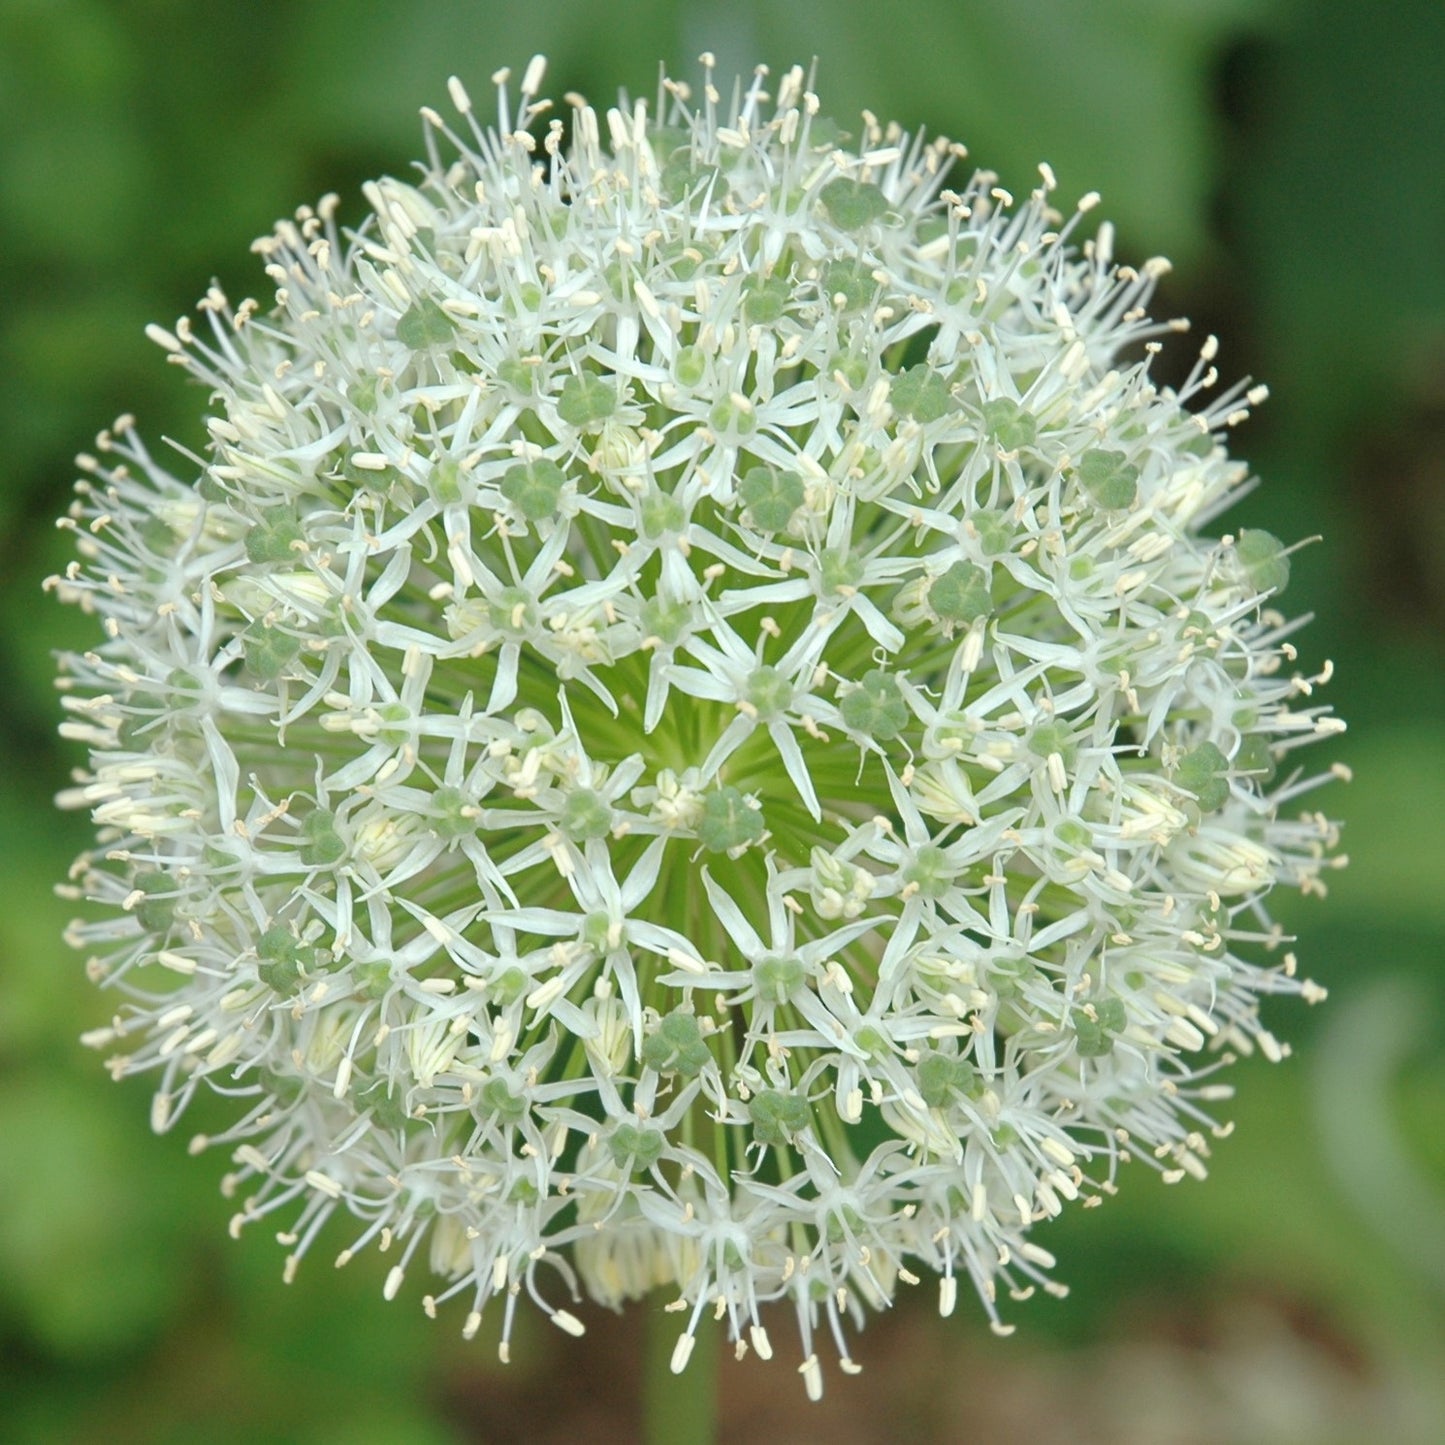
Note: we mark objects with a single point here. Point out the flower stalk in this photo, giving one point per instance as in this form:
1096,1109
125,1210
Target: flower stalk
679,1395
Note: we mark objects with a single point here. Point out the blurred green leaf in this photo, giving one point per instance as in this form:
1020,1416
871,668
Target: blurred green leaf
1393,833
1341,211
1114,94
1361,1054
367,65
45,998
1271,1212
89,1250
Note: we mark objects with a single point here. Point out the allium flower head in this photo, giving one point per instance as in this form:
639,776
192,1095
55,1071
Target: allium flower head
686,733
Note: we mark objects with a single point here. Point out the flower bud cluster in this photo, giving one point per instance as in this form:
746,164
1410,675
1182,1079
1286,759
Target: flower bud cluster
686,732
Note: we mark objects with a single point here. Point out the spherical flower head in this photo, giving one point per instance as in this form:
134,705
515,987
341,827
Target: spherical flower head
687,730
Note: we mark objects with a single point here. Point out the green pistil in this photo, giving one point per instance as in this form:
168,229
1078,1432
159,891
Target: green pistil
272,541
155,914
661,514
769,692
1255,759
585,816
586,401
1052,737
635,1148
875,708
778,978
677,1046
1094,1037
996,532
941,1078
689,366
424,324
1262,556
534,488
930,872
1011,426
847,286
961,594
269,651
921,393
778,1117
321,845
764,301
1109,478
770,497
665,620
728,821
1204,772
454,814
497,1098
851,204
839,572
728,418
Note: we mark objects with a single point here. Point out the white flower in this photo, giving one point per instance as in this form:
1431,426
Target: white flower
687,730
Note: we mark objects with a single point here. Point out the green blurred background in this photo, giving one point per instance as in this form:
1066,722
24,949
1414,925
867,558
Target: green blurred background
1286,155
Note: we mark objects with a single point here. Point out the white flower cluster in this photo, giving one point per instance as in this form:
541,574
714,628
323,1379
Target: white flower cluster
686,730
